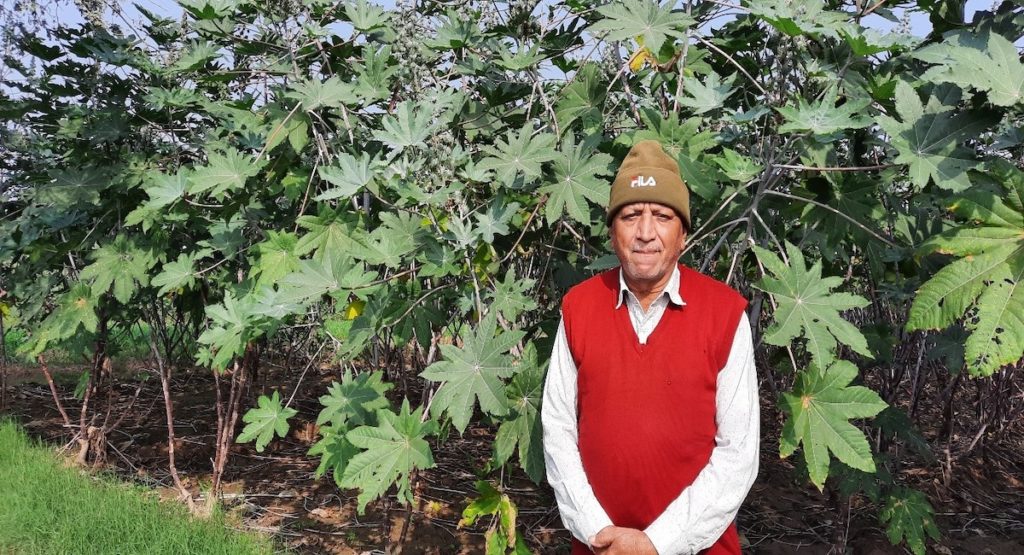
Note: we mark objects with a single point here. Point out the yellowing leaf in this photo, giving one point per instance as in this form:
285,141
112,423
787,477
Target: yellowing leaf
354,309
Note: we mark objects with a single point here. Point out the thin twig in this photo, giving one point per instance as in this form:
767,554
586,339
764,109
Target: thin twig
833,210
834,168
733,61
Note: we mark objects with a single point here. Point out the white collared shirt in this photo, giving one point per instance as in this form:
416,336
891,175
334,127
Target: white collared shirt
698,517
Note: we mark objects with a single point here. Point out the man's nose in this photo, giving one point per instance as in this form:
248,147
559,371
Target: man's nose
645,228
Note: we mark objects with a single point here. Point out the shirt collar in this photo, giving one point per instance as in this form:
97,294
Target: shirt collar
671,289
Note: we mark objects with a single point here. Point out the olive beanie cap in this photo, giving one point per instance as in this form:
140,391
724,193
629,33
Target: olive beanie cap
649,175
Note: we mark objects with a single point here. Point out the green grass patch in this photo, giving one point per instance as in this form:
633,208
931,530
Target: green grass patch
48,508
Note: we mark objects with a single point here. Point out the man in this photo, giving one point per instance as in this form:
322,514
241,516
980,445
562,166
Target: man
650,409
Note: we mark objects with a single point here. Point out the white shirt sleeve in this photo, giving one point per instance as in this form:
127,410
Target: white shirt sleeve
698,517
581,512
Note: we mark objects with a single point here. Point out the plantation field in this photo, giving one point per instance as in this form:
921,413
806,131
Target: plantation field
302,261
978,503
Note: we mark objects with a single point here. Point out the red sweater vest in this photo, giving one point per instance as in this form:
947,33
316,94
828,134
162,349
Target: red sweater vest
647,412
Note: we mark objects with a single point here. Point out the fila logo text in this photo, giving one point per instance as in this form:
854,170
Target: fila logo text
642,181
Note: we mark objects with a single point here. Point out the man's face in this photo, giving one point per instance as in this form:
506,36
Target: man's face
648,239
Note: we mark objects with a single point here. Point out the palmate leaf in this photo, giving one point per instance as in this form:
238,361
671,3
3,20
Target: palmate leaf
373,81
801,17
164,189
518,154
120,265
509,297
392,450
737,167
180,274
69,189
77,307
277,257
229,330
409,126
196,56
807,306
271,303
313,94
366,16
706,96
330,231
582,99
267,419
929,138
987,279
354,401
908,516
655,23
820,406
985,61
473,373
494,221
335,452
347,177
576,182
315,278
523,430
224,173
824,117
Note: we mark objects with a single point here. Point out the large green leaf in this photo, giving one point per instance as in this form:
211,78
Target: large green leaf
277,257
523,430
802,17
267,419
119,264
576,182
986,281
473,373
930,137
983,61
409,126
165,189
820,406
392,451
824,117
582,99
335,451
511,297
354,400
315,278
807,306
180,274
519,154
229,332
908,516
313,94
366,16
707,96
349,176
224,173
330,231
654,23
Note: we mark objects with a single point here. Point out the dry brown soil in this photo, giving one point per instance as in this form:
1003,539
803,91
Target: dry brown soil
978,496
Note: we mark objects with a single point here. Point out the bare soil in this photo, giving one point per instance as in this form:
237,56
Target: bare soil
977,492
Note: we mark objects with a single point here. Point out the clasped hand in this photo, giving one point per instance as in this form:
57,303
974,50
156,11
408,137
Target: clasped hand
614,540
